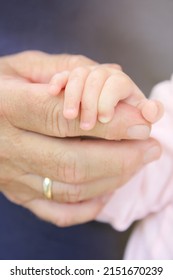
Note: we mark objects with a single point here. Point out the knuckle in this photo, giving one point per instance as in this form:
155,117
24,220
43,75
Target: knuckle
77,60
86,106
70,169
116,66
54,121
122,78
78,72
74,194
31,53
95,76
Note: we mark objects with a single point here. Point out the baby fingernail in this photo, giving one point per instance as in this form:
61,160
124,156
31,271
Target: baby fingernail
104,119
138,132
152,154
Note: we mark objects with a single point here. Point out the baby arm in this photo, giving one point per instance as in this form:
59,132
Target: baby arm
94,92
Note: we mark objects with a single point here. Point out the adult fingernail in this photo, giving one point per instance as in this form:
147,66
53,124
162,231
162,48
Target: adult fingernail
138,132
152,154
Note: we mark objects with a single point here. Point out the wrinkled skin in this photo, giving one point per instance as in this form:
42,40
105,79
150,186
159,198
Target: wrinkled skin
36,142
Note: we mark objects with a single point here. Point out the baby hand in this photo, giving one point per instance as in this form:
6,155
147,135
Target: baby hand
94,92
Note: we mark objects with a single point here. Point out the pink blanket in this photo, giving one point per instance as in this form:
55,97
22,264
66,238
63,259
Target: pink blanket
148,196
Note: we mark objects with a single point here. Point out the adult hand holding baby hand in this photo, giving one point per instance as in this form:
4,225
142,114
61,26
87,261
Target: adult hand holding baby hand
32,145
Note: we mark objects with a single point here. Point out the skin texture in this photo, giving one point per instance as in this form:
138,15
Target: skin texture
94,92
84,170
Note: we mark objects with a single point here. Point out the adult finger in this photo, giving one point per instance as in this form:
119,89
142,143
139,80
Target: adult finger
76,161
64,215
39,67
29,106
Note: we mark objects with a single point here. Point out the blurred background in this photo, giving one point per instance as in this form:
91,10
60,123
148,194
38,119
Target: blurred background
134,33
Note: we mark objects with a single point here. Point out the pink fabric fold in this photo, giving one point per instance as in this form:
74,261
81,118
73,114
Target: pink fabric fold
148,196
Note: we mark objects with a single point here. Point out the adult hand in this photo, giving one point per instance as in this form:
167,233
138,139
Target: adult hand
27,104
82,169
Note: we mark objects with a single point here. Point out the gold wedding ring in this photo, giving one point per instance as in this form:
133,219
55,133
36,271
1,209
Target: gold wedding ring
47,188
